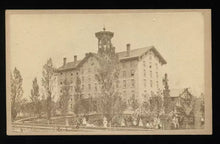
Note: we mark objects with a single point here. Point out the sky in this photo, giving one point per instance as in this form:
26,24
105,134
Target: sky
179,37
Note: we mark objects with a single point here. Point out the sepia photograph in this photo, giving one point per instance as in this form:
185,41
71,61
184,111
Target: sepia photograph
108,72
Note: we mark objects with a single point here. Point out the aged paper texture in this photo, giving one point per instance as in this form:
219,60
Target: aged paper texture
108,72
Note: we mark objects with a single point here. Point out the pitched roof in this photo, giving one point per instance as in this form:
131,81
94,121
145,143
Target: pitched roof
69,65
74,65
134,53
180,92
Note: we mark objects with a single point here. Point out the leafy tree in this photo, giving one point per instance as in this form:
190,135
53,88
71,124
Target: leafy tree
48,71
16,92
143,110
35,98
133,103
64,98
110,101
186,111
78,97
166,93
156,103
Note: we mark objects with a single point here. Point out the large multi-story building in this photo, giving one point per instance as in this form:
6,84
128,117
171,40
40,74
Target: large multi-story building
140,71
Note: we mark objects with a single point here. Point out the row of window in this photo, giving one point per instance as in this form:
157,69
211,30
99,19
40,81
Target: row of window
151,83
150,64
132,93
90,87
71,74
125,84
131,73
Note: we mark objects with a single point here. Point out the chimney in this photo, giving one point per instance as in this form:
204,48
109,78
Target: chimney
128,49
64,61
75,58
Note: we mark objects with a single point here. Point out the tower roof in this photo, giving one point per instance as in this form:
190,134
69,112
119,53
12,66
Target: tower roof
104,33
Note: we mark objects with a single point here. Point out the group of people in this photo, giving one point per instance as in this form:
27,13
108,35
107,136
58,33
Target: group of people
155,123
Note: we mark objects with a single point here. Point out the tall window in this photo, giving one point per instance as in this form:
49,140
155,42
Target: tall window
132,72
151,74
151,83
145,83
124,74
157,84
145,93
82,87
144,63
133,94
124,83
144,73
150,65
132,83
95,86
89,86
157,74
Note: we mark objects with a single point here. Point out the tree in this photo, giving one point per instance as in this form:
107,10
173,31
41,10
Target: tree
48,71
35,97
133,103
78,97
64,98
156,103
109,102
186,110
16,92
166,93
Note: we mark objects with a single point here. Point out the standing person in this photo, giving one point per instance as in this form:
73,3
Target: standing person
105,122
77,122
84,121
